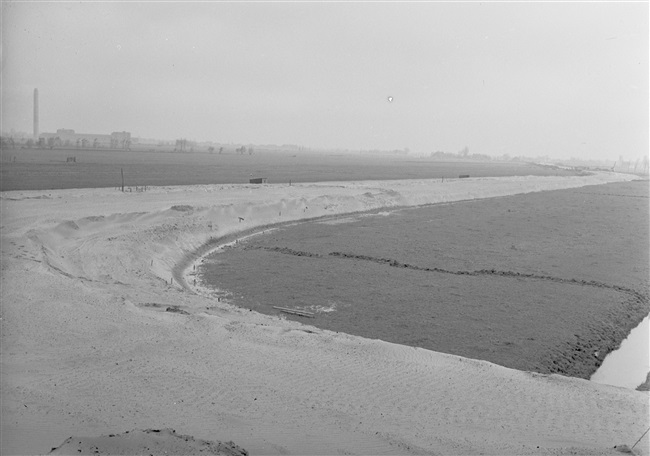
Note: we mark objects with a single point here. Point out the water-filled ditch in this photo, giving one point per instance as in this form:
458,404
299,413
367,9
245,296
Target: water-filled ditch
629,365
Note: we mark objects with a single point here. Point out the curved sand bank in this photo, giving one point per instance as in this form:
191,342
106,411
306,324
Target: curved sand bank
88,349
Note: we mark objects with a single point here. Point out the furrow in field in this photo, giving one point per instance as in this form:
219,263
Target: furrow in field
613,194
482,272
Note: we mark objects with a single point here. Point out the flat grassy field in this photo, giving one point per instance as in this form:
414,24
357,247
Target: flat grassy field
548,282
33,169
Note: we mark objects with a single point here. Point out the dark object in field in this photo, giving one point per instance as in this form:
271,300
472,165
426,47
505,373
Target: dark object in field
176,309
258,180
71,160
182,208
463,176
300,313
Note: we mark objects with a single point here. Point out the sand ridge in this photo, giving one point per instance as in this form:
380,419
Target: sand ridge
89,348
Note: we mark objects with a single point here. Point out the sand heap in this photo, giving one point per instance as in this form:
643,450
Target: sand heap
148,441
89,348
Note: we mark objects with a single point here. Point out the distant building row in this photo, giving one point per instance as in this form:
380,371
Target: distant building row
64,137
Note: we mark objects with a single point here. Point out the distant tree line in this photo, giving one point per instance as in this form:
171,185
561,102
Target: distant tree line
463,153
56,142
242,150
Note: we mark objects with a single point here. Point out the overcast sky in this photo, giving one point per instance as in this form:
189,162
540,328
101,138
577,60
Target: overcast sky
563,79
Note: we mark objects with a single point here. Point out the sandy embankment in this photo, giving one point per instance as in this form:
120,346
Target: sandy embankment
88,350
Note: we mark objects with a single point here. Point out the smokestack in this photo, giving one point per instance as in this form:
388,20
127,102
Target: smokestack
36,114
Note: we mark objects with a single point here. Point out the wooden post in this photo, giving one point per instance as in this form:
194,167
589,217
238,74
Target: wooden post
122,171
640,438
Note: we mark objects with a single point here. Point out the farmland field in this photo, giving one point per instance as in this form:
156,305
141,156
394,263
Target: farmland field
31,169
547,282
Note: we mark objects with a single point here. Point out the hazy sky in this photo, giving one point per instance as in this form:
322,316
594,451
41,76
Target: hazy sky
563,79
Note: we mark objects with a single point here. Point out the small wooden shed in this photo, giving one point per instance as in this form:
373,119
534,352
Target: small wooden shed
258,180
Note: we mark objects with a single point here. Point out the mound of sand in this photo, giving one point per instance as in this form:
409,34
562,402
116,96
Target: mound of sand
149,441
89,345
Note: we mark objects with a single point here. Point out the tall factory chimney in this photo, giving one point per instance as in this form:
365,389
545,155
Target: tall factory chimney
36,114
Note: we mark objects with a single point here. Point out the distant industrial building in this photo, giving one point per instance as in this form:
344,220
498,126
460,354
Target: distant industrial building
69,138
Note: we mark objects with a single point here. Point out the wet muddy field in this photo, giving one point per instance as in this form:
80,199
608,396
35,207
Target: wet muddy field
548,282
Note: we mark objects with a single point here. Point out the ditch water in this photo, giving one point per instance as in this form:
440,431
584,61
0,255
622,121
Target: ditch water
628,366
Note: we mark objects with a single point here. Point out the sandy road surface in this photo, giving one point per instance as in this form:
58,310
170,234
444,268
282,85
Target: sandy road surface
88,348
